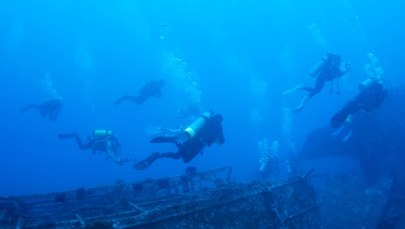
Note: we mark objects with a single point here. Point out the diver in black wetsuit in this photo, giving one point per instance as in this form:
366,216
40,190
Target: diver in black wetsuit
49,108
372,94
100,140
203,132
329,67
151,89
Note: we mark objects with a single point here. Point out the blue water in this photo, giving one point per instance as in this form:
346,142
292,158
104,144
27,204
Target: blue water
232,56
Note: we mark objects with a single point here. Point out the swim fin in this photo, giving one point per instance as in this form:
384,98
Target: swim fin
344,132
294,89
144,164
67,136
120,100
300,107
163,139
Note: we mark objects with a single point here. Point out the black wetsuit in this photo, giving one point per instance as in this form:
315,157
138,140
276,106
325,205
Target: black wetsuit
329,71
367,100
212,132
150,89
101,144
108,144
50,108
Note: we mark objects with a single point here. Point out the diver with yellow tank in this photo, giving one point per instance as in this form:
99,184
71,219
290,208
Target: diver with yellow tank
203,132
100,140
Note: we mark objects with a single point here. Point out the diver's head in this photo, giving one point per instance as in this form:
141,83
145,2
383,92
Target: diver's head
344,66
217,118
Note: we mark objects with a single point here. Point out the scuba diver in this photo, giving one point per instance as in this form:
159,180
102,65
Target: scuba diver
203,132
373,91
101,140
49,108
151,89
372,94
328,68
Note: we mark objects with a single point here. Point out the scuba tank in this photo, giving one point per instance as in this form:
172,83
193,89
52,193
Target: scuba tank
197,125
318,66
366,84
102,133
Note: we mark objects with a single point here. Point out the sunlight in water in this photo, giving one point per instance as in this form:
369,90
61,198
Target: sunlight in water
49,87
182,80
372,68
317,35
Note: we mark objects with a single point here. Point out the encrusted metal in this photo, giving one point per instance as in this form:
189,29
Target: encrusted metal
195,200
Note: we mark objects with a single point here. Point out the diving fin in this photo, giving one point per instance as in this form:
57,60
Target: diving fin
294,89
67,136
121,99
163,139
343,133
144,164
300,107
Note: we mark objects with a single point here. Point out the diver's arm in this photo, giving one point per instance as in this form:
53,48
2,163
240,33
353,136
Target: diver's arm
54,114
86,145
113,154
113,150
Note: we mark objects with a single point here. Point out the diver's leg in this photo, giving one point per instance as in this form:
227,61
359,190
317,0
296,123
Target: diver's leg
344,131
29,107
171,155
338,119
340,116
138,100
121,99
294,89
82,146
304,101
164,139
66,135
319,84
308,89
135,99
141,165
